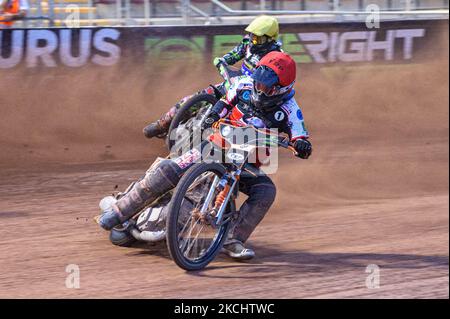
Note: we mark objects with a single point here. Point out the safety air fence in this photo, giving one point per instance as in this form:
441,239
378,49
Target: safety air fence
313,44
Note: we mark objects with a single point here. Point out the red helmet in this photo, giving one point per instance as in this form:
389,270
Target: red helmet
273,80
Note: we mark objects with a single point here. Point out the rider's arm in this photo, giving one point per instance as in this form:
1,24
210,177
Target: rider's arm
238,53
295,127
295,123
222,107
228,101
219,110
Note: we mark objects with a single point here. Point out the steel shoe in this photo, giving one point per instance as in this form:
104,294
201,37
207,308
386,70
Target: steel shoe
237,250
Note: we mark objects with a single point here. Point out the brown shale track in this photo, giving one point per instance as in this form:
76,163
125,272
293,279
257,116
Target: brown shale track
375,191
320,249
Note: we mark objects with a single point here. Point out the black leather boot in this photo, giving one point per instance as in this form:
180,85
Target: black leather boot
155,129
160,128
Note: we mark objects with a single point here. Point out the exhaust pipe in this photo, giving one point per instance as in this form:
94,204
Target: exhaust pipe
148,236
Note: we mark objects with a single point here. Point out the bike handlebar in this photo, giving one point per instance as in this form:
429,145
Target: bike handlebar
227,72
283,140
223,70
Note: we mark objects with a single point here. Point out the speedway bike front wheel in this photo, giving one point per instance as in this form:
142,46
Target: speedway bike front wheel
193,237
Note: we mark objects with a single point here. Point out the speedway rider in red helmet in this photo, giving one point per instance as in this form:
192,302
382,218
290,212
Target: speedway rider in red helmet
268,96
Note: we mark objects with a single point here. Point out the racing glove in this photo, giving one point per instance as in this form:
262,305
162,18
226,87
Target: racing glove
210,120
303,148
218,61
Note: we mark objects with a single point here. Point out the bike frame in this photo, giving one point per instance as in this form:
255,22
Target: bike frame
235,172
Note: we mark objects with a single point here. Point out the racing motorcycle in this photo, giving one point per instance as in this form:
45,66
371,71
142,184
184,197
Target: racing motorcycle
196,216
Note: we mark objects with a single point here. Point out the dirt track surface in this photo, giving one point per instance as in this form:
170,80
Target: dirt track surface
375,191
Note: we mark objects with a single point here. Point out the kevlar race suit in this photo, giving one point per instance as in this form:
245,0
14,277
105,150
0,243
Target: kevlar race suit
245,51
260,189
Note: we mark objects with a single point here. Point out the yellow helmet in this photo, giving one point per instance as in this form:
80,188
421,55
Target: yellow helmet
264,25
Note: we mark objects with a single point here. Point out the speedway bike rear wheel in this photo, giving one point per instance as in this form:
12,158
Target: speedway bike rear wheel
192,110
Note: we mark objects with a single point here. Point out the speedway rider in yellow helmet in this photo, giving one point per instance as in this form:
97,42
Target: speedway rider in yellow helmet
261,39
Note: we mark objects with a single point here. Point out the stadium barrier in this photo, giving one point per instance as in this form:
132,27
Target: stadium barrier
309,44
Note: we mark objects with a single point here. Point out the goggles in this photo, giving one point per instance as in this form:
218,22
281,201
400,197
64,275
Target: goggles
261,88
266,83
258,40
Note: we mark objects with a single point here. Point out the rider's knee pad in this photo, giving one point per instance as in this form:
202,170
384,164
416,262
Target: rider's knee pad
165,175
158,180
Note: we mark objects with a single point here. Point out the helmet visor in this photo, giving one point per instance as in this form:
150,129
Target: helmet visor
266,81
